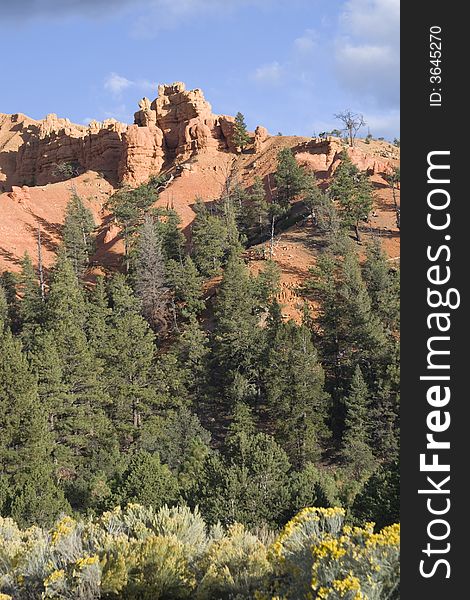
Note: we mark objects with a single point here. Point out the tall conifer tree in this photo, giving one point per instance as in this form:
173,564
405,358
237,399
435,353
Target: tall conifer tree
26,444
295,396
79,225
355,448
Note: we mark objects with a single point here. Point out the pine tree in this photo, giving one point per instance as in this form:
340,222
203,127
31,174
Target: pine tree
319,205
252,209
4,319
394,180
236,335
167,223
243,423
295,397
355,448
191,471
251,486
9,299
379,501
79,225
85,430
18,393
150,275
98,317
290,178
383,283
173,436
186,284
26,445
83,444
353,191
128,364
290,181
65,305
129,207
31,307
241,137
230,215
35,496
363,334
385,416
192,354
257,198
46,364
350,332
313,487
122,298
209,240
267,284
148,482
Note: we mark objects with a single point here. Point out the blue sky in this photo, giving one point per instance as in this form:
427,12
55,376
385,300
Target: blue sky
286,64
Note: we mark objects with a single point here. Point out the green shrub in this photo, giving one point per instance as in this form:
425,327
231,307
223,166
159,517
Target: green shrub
234,566
137,553
157,567
316,553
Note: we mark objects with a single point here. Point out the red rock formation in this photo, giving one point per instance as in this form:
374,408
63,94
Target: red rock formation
35,150
188,124
261,135
177,125
142,154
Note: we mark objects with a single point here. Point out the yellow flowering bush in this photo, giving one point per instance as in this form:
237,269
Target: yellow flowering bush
158,568
186,525
315,557
62,528
22,559
234,566
80,580
137,553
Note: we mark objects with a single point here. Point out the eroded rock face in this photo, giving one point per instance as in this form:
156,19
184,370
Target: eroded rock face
142,154
145,116
54,149
187,122
261,135
227,125
179,124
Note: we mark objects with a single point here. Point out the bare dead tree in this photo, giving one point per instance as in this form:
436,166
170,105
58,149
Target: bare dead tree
352,123
151,278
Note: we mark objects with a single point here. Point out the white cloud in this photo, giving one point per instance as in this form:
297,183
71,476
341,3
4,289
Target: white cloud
385,124
145,85
372,19
270,73
366,55
306,42
119,112
367,50
148,24
116,84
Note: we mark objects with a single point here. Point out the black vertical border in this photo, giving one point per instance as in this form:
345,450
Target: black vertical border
425,129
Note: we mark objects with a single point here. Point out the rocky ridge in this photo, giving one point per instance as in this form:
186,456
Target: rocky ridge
177,125
175,133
